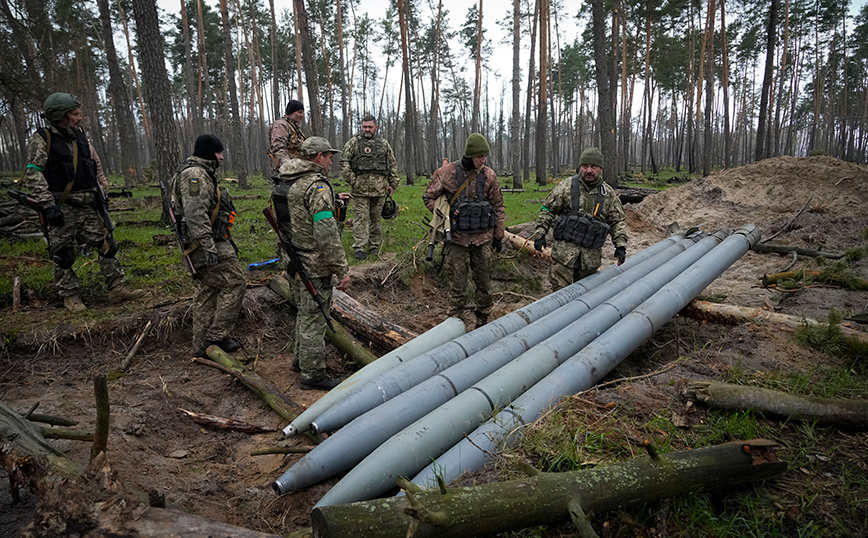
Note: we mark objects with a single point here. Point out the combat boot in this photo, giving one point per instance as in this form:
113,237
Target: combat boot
226,344
73,304
481,319
121,293
326,383
361,255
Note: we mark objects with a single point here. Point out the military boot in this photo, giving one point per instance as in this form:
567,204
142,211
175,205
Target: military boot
481,319
121,293
73,304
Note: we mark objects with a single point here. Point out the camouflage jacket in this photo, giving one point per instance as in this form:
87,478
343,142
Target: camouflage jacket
40,186
195,196
444,182
369,166
286,137
559,202
314,229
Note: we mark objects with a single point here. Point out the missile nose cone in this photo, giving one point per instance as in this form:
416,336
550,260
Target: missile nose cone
290,430
313,428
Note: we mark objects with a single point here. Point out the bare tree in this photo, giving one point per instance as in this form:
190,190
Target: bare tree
542,109
515,120
762,149
606,87
236,139
410,114
308,61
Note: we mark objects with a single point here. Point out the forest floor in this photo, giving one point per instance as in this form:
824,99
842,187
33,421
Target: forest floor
153,445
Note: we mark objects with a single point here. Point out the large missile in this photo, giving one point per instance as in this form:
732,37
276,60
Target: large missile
353,442
587,367
365,396
407,452
430,339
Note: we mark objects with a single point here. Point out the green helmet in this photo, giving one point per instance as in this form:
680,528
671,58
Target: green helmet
390,209
58,104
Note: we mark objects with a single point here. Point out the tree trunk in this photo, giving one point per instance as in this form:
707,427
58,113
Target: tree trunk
531,76
727,142
606,86
308,61
707,135
549,498
236,137
374,327
410,110
515,120
123,111
542,107
838,412
152,57
762,150
477,81
204,93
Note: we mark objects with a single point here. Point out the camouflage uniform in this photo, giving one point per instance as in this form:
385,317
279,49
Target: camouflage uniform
573,262
468,251
286,138
369,166
314,234
220,288
46,181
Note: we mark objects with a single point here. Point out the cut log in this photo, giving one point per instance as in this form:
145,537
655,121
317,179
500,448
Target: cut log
840,412
365,322
341,338
549,498
522,243
779,249
726,314
227,423
831,279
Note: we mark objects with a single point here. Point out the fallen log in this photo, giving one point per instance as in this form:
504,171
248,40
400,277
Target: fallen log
549,498
726,314
226,423
839,412
372,326
341,338
522,243
816,276
779,249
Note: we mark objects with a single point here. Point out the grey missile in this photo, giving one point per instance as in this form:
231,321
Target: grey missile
366,396
588,366
354,441
430,339
414,447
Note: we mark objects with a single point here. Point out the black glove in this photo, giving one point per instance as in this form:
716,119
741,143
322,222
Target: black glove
497,245
53,216
211,258
540,243
621,254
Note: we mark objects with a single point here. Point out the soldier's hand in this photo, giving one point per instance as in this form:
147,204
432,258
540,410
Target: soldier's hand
53,216
211,258
497,245
391,191
344,284
539,243
621,254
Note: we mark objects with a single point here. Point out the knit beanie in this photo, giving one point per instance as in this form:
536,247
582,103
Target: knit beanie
293,106
592,156
476,146
206,146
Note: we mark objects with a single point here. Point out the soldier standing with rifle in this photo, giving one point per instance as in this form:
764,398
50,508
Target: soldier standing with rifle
368,164
61,175
305,204
207,215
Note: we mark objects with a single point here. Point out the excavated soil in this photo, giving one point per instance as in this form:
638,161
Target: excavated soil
153,445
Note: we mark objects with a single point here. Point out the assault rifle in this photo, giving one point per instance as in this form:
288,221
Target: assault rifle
28,201
177,229
299,267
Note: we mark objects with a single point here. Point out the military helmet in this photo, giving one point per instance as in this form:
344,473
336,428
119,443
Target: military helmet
390,209
58,104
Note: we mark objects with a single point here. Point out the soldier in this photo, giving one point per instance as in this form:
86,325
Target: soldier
62,177
310,202
208,215
584,210
476,208
286,136
368,164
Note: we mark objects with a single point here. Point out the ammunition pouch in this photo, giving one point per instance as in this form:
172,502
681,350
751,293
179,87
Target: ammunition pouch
340,210
64,257
370,156
580,229
473,216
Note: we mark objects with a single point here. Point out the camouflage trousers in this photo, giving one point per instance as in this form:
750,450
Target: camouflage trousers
367,222
561,276
310,329
82,226
219,292
459,262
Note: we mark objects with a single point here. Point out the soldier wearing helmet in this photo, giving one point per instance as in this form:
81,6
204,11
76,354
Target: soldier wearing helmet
61,175
305,205
368,164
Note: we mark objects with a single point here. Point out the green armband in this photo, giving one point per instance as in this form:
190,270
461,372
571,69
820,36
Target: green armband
31,165
322,215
